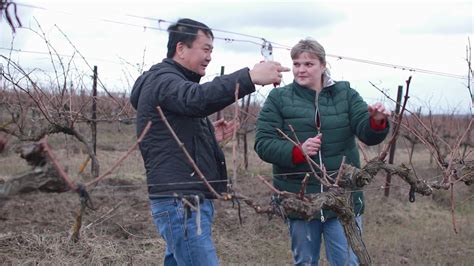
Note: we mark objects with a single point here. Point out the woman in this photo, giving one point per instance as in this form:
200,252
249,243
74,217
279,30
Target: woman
327,116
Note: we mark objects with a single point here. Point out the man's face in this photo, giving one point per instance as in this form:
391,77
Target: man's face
198,56
307,70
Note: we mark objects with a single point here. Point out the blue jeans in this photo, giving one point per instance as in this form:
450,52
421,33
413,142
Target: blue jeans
306,242
185,248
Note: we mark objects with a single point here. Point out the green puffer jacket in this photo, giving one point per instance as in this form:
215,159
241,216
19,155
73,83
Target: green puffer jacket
343,116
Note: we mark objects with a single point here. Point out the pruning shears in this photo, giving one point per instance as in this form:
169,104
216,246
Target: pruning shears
267,52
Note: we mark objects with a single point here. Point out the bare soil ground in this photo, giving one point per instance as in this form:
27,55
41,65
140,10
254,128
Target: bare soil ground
35,227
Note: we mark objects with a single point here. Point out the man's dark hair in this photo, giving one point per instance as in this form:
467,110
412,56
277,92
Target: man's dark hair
185,31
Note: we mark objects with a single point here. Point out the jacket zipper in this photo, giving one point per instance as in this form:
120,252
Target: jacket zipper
318,126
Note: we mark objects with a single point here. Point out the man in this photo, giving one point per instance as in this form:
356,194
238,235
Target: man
174,85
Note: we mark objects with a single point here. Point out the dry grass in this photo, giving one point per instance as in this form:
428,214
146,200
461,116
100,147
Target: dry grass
34,228
421,233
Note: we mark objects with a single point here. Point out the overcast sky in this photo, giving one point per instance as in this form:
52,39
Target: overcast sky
426,35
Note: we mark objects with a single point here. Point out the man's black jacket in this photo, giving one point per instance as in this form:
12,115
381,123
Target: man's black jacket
186,104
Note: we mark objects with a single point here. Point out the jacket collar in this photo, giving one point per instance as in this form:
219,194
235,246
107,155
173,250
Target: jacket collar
327,80
190,75
327,88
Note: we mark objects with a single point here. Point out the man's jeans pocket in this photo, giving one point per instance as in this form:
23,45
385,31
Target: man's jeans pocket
162,218
184,245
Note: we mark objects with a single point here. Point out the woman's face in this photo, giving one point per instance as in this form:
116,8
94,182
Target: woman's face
308,70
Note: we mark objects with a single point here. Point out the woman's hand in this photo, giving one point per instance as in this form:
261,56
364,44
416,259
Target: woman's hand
312,145
378,113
